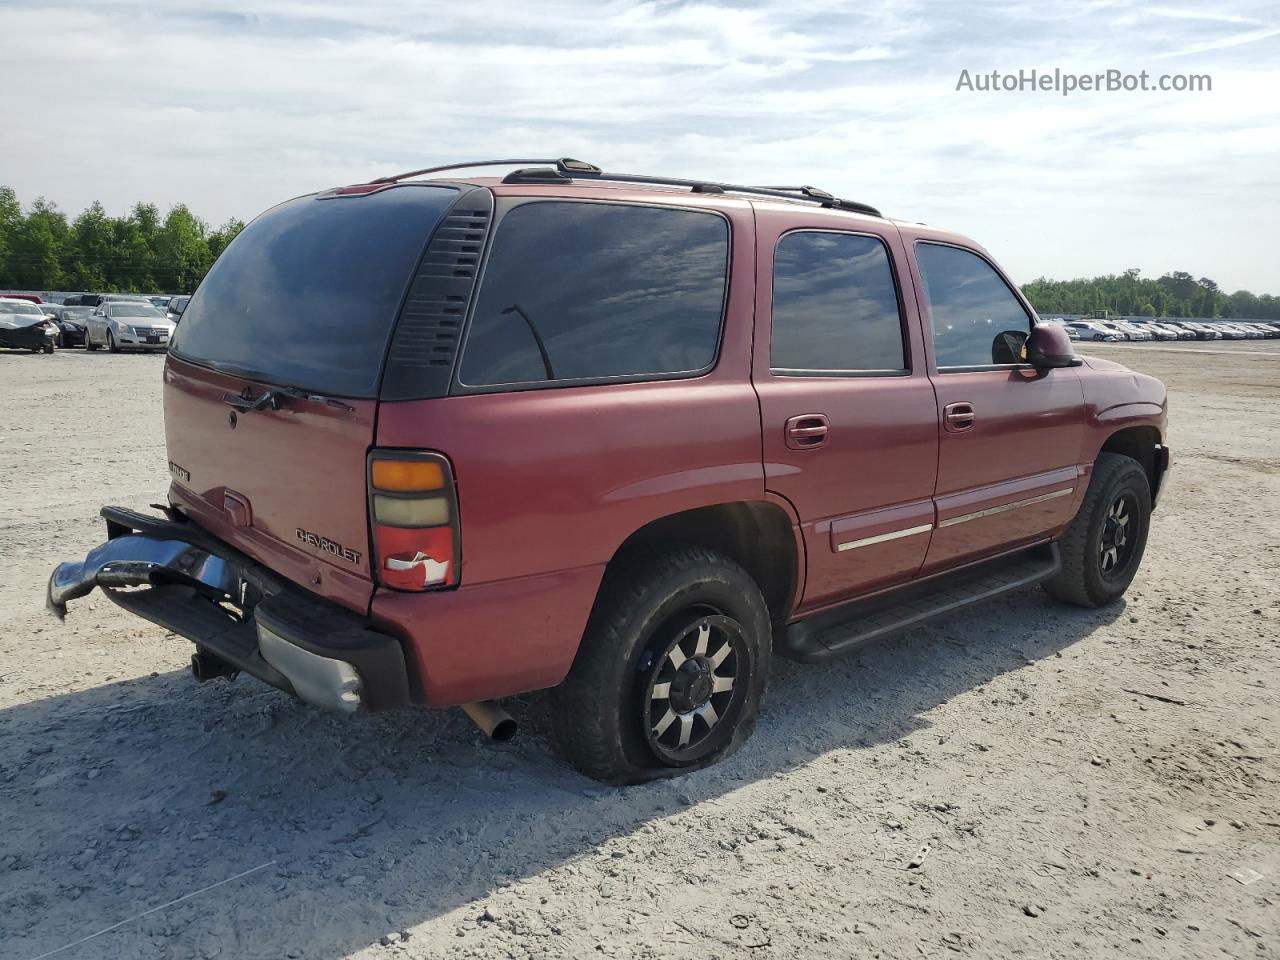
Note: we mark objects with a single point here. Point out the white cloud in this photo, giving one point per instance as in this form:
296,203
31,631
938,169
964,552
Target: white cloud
230,108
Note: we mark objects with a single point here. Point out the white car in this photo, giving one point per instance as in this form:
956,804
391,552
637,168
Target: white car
1091,330
127,325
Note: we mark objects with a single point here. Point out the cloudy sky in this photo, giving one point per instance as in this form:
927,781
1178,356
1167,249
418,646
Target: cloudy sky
230,108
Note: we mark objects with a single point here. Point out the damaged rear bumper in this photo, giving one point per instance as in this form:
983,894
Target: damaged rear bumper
176,574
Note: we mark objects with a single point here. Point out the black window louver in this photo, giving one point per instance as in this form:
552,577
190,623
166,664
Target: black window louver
425,345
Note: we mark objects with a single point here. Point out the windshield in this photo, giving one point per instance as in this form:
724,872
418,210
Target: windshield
76,311
308,294
11,307
119,309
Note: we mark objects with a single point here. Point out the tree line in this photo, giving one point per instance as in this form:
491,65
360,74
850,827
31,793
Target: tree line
141,252
1176,294
43,250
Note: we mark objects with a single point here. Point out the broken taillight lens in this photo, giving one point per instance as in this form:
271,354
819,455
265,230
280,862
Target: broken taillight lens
413,510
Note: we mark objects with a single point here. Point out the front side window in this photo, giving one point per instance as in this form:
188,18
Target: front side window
591,291
835,306
975,318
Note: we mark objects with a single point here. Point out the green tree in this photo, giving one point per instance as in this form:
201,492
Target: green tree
89,254
10,219
37,247
182,250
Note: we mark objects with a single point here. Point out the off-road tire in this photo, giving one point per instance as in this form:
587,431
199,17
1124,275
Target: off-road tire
598,712
1082,581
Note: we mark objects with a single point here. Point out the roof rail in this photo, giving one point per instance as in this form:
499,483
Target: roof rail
562,164
566,168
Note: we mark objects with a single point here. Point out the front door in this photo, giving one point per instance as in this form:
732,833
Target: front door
1011,434
850,424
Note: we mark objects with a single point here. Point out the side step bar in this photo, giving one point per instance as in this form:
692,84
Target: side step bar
839,632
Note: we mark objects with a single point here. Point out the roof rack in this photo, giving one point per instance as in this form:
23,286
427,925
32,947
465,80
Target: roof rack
565,169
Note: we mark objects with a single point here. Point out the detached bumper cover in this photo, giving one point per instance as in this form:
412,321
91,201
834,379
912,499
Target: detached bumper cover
177,575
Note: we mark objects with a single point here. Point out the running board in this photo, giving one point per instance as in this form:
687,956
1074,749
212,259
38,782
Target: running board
839,632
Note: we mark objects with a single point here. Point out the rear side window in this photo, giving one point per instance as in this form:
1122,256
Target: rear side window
976,319
835,306
591,291
308,293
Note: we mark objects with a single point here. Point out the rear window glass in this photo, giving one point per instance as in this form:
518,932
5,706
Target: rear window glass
308,293
590,291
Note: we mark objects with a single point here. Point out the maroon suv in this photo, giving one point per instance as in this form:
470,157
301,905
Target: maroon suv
439,441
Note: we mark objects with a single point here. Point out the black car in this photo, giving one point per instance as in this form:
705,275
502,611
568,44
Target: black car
23,325
175,307
70,321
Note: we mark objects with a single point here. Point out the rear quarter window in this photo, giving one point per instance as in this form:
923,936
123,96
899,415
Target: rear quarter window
585,292
308,293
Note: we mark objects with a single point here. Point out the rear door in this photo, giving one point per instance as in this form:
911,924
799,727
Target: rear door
1011,434
272,381
850,425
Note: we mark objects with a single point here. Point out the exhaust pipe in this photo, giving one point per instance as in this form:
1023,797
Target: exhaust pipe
492,719
206,667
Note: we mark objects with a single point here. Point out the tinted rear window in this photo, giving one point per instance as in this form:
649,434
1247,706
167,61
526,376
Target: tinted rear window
590,291
308,293
835,305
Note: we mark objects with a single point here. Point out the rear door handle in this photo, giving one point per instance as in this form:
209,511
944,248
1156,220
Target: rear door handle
807,431
958,417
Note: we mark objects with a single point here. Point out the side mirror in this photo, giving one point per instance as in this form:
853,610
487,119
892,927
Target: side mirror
1049,348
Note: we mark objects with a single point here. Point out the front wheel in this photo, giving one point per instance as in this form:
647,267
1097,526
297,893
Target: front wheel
111,342
47,348
1103,547
671,669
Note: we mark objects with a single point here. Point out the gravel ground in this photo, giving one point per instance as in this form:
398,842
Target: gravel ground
1022,780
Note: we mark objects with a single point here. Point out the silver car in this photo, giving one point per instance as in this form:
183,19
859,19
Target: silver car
127,325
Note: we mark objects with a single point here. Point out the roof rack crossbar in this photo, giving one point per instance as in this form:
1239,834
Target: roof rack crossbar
571,168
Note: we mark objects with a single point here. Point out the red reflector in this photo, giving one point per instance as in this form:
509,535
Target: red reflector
413,558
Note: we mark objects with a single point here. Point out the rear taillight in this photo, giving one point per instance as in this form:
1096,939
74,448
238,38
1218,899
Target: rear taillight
413,509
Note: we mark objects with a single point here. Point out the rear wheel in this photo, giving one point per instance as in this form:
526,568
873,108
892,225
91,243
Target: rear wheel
671,668
1103,547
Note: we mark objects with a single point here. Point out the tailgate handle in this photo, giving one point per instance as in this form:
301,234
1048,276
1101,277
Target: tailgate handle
274,398
243,401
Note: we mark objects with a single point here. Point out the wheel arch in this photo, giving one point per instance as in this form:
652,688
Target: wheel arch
758,535
1142,443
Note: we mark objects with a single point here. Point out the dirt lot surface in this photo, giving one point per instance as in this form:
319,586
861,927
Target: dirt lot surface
1068,783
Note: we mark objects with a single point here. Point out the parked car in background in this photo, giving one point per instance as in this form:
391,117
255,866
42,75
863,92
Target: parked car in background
1158,331
1232,331
1130,330
128,324
1092,330
1198,331
71,322
29,297
24,326
1262,329
174,310
341,520
159,302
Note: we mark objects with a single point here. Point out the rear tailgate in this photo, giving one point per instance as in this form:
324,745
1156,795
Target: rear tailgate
285,486
271,385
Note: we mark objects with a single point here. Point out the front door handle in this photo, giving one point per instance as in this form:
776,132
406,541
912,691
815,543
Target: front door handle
807,431
958,417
